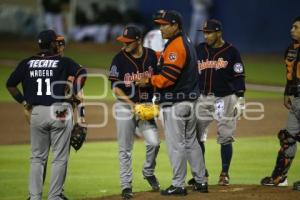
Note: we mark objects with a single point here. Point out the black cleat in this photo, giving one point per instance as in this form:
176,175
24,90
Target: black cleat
172,190
153,182
269,181
127,193
201,187
192,180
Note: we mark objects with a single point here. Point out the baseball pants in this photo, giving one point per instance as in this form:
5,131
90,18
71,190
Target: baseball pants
180,131
126,127
293,127
209,108
47,130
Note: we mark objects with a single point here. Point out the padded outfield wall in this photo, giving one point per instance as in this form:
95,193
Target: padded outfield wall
254,26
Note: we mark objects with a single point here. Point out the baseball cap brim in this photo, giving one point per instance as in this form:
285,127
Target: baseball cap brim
124,39
161,21
207,30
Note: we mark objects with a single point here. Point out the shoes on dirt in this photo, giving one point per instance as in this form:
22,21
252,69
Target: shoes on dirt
127,193
172,190
279,181
192,180
223,179
61,197
153,182
201,187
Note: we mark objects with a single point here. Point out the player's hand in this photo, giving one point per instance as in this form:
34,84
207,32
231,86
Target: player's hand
239,107
142,82
287,102
81,120
27,112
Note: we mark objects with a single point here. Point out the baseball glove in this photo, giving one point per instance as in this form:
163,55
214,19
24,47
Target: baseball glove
78,136
146,111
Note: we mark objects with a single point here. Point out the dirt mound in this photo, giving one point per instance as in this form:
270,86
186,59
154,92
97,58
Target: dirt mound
234,192
16,131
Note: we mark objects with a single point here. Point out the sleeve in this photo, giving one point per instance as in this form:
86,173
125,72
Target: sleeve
17,75
114,72
154,61
289,83
174,60
238,71
80,74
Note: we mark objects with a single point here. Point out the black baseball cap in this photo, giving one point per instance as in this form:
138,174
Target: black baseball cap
158,14
212,25
131,33
169,17
45,38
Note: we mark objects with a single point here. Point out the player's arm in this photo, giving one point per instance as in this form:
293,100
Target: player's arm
120,94
174,60
11,85
238,74
13,81
288,91
78,72
80,78
81,108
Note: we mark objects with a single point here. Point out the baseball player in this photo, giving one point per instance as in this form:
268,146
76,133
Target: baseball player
289,136
43,78
131,63
222,87
178,90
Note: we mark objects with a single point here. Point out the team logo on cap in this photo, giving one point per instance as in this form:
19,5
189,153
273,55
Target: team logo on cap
172,56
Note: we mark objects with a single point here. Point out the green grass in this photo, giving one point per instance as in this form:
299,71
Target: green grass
92,59
4,74
94,171
98,87
261,72
250,94
262,69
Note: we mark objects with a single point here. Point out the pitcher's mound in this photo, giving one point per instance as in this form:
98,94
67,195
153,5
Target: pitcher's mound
234,192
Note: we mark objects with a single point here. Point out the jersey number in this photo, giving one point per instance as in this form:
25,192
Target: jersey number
47,81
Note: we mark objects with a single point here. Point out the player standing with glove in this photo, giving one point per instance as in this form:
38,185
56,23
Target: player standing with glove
44,78
130,64
222,87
